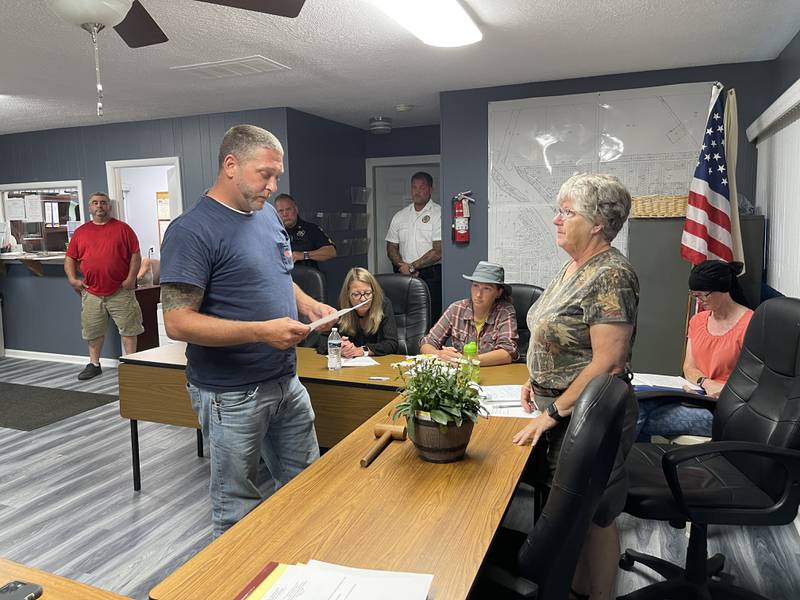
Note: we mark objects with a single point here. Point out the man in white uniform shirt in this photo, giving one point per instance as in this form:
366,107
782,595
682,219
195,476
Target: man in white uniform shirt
414,240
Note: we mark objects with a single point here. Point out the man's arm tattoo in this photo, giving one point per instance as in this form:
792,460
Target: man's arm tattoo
181,295
393,252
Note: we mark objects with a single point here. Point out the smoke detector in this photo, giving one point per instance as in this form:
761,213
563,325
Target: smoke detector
380,125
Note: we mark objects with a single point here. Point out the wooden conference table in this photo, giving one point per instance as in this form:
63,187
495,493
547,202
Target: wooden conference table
152,387
400,513
54,587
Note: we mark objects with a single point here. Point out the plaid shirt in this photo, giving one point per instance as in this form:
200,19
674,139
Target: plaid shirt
457,323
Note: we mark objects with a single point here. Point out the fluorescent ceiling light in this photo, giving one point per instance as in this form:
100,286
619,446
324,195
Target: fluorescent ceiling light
436,22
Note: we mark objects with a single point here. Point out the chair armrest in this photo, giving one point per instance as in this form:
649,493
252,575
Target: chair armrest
783,511
678,397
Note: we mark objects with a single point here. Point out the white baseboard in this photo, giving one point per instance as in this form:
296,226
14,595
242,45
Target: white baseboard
63,358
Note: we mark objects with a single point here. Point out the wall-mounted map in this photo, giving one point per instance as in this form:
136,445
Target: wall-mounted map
648,137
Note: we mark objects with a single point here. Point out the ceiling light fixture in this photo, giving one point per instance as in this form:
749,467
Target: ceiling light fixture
404,107
380,125
93,16
442,23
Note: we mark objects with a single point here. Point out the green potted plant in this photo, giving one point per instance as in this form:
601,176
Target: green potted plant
441,404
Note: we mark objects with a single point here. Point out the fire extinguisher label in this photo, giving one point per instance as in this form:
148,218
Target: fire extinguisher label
462,224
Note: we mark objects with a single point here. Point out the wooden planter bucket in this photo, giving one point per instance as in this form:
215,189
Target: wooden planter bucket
438,444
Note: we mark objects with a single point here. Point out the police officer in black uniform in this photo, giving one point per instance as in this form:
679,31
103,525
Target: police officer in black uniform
310,244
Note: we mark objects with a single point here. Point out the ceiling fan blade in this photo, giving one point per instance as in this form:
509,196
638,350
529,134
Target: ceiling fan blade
282,8
138,28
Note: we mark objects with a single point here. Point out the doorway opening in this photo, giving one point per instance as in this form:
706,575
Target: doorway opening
390,180
147,196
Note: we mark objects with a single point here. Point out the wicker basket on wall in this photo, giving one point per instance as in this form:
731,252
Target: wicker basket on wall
658,206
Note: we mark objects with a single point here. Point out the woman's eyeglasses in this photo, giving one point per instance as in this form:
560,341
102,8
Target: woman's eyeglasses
564,213
699,295
361,295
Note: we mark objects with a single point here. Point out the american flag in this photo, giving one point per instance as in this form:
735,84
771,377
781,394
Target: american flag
707,230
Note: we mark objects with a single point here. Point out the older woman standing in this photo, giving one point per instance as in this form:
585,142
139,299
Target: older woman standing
582,326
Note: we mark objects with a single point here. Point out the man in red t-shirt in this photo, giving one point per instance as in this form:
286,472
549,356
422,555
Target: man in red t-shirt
107,252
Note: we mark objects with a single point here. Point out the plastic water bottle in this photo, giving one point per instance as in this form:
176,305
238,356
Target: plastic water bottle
334,350
471,356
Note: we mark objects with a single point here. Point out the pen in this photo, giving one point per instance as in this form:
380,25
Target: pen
378,378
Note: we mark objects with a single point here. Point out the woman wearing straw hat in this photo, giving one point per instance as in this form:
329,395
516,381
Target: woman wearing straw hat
582,326
487,317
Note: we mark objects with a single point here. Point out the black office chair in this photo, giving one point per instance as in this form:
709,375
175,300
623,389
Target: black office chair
523,295
748,474
412,308
312,281
545,559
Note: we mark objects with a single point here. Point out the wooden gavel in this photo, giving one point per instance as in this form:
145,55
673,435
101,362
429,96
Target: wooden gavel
385,434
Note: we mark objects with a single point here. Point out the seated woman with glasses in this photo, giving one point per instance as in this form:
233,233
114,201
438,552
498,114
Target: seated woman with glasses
487,317
369,330
714,342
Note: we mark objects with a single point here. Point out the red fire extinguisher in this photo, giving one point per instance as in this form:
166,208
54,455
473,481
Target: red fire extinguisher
460,224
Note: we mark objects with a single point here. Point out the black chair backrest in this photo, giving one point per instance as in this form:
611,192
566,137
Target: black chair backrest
549,555
523,295
310,280
412,308
761,401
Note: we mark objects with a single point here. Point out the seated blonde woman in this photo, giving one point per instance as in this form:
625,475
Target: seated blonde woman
486,317
369,330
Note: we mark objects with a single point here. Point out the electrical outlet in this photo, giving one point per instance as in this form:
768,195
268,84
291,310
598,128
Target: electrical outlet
151,250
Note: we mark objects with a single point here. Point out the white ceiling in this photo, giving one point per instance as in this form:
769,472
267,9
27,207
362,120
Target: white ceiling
349,61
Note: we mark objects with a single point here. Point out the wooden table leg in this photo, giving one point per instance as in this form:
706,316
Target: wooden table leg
137,478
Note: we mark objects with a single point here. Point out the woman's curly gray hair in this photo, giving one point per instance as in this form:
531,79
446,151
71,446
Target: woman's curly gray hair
600,198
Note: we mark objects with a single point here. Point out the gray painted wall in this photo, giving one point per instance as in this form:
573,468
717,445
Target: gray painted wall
787,67
43,313
464,141
326,160
404,141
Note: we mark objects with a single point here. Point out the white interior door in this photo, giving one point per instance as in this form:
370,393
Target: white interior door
392,186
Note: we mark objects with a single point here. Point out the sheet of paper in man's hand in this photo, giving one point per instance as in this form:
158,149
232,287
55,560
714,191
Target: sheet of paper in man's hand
334,316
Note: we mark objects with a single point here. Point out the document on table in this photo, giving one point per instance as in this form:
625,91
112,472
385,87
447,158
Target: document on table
503,401
669,382
326,581
359,361
333,316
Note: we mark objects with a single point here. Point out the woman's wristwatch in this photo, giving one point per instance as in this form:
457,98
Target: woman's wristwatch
306,255
700,380
552,412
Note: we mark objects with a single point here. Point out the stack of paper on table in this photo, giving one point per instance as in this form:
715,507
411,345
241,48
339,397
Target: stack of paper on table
663,382
503,401
325,581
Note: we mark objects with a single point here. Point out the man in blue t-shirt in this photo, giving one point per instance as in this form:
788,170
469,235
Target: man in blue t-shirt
226,289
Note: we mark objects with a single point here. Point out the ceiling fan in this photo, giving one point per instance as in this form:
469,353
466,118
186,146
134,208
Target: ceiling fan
137,28
135,25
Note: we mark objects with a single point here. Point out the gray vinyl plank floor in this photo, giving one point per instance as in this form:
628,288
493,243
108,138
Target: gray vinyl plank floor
67,504
56,375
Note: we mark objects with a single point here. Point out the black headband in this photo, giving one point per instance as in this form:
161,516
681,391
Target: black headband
714,276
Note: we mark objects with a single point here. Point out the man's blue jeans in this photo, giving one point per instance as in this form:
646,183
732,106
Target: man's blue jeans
670,419
273,421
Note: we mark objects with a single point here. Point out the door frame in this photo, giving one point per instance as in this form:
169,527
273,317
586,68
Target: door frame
113,168
377,242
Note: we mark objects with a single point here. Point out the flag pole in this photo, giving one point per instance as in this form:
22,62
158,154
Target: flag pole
731,121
